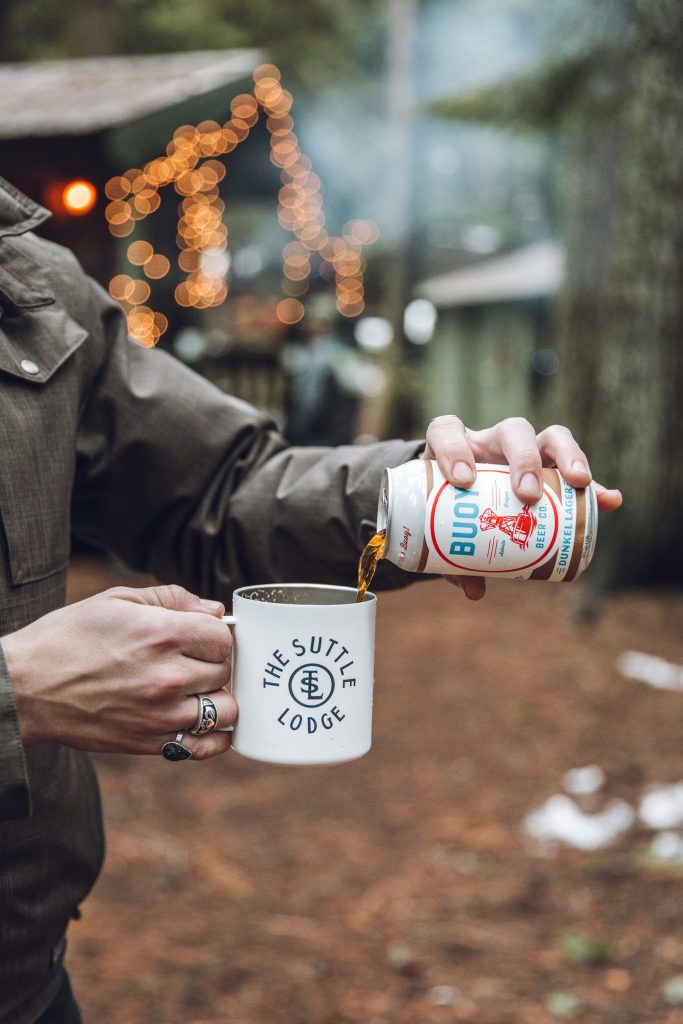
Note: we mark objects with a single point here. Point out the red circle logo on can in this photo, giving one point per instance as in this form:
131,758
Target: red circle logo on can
480,529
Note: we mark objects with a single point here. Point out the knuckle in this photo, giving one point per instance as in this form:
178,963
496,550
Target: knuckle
210,747
215,645
559,428
223,674
515,423
222,642
166,684
449,420
172,595
119,592
201,751
555,433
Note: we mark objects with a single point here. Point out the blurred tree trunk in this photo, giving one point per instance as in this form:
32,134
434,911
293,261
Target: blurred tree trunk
404,400
621,317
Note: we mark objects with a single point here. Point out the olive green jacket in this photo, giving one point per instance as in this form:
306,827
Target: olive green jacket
130,451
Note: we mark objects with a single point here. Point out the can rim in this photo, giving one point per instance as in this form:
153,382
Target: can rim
592,520
384,502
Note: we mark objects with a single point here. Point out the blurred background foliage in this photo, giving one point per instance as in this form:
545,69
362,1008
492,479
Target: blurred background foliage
315,41
472,131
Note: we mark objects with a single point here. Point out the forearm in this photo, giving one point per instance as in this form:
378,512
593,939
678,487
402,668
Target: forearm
176,478
303,514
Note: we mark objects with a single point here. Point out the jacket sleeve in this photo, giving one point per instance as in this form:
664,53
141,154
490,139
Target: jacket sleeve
178,479
14,787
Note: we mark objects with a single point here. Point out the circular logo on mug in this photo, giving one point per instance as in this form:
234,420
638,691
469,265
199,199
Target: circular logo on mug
311,691
311,685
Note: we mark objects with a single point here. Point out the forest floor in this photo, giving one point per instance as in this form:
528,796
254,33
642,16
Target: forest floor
405,888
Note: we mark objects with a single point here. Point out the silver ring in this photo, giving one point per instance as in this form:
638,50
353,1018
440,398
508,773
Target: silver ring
207,715
175,750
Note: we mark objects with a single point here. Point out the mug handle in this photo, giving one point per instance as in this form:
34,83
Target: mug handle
229,620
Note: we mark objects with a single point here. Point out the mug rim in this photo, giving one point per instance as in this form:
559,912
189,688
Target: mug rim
368,597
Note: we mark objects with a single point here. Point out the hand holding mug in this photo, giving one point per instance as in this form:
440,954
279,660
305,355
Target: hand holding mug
123,671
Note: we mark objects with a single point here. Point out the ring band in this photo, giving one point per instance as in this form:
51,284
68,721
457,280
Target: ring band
175,750
207,715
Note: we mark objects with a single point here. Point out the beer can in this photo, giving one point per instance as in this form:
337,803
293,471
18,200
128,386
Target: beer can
485,530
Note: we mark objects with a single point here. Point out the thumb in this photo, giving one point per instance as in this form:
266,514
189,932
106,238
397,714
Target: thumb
174,597
474,587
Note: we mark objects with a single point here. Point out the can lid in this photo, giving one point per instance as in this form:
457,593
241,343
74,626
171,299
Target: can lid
591,527
384,502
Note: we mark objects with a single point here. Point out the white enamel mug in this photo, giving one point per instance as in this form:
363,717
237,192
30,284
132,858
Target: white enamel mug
302,673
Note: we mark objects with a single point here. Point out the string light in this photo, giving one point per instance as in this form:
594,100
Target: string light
289,311
192,166
79,197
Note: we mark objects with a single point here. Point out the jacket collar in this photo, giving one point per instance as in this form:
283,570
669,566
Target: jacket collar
24,283
18,213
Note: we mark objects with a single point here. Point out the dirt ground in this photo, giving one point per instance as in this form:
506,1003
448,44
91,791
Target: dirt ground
402,888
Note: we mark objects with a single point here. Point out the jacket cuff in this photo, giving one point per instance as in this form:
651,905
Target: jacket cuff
15,797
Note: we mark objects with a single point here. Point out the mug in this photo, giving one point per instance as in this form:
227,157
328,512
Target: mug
302,673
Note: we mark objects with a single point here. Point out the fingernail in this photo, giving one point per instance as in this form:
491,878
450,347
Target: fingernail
529,483
211,606
462,474
580,467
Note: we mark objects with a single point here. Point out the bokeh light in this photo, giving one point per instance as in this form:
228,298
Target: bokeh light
139,253
191,164
79,197
419,321
373,333
289,311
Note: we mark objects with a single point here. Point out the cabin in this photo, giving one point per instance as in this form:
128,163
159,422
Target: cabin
67,127
83,121
492,351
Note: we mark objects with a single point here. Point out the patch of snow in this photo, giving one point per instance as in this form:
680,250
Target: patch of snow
668,846
662,807
656,672
583,781
560,820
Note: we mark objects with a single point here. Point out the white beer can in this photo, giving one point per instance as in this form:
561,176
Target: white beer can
485,530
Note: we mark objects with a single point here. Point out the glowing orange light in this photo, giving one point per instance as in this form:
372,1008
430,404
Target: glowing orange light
117,188
79,197
140,293
350,309
362,232
157,266
121,287
266,71
121,230
139,253
190,167
289,311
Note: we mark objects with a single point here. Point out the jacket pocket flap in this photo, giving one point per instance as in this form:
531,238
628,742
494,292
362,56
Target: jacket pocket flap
35,344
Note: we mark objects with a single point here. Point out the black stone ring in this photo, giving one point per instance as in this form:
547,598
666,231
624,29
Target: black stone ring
174,750
207,716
